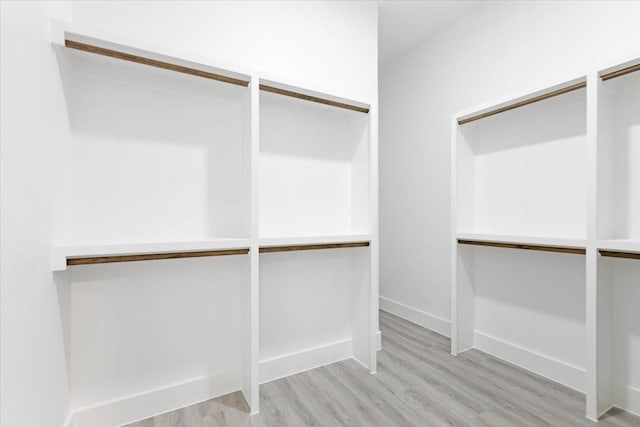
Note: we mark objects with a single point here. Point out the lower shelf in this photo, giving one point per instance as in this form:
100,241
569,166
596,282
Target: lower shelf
305,243
559,249
64,256
545,244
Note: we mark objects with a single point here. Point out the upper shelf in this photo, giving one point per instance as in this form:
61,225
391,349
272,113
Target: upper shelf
64,256
620,70
513,103
312,96
70,36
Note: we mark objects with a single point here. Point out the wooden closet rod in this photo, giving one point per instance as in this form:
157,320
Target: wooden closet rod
619,73
152,256
288,248
153,63
524,102
292,94
543,248
617,254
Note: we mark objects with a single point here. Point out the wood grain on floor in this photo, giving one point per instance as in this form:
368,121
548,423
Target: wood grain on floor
418,384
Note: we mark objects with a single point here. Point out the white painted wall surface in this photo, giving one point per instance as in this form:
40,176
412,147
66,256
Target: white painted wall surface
325,46
330,47
496,50
34,141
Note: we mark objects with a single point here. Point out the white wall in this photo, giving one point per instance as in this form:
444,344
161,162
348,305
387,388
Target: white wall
34,141
495,50
326,46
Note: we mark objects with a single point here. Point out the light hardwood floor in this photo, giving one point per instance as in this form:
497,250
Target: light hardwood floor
418,384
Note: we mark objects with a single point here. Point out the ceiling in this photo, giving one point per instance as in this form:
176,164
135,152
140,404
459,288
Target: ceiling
404,24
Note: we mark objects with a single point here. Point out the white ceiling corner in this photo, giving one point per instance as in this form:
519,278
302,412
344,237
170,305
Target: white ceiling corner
404,24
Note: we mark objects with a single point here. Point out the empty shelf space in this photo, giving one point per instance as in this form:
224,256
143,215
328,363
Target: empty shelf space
545,244
64,256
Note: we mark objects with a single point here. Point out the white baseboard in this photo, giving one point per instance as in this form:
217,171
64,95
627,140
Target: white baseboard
627,398
300,361
138,407
378,341
419,317
556,370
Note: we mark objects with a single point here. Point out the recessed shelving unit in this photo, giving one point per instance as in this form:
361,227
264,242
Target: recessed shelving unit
546,236
317,252
615,343
253,204
160,163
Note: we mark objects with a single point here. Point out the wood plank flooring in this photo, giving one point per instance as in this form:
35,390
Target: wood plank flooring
418,384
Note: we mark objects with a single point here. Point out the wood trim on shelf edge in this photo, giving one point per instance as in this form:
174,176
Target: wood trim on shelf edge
153,256
524,102
289,248
543,248
153,63
293,94
621,72
619,254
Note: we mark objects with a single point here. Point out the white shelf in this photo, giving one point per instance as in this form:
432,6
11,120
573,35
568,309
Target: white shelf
313,240
62,253
622,245
524,240
63,32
